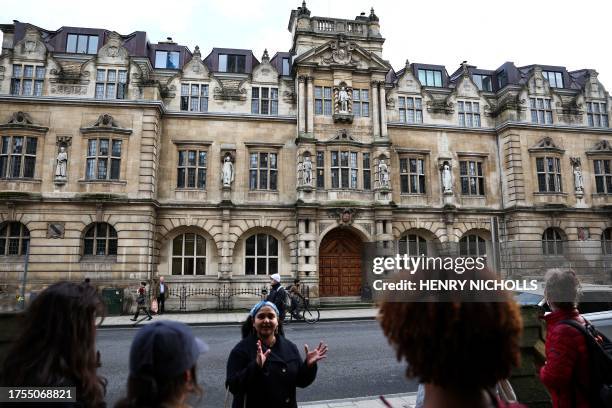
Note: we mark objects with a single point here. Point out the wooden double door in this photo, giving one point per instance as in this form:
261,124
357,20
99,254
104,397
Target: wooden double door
340,264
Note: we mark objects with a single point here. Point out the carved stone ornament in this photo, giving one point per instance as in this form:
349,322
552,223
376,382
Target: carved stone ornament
55,230
344,216
114,47
20,118
230,90
106,123
342,52
603,146
546,144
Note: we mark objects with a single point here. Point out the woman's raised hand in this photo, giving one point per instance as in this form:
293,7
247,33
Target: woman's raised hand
261,356
315,355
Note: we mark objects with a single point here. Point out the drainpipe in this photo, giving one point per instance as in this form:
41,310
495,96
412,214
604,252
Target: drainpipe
25,277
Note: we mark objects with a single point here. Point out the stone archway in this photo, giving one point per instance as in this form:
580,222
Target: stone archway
340,264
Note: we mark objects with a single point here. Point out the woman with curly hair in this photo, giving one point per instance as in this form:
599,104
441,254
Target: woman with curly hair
57,346
458,346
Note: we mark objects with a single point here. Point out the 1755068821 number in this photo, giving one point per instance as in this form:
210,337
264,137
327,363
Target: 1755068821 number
37,394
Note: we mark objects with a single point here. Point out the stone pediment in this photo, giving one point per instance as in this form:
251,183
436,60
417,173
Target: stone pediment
343,53
106,124
230,89
23,121
546,144
113,52
603,147
31,47
195,68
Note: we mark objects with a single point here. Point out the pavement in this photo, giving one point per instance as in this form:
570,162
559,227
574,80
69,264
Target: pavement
406,400
236,317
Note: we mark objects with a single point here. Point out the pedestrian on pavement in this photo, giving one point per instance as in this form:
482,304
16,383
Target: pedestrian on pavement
162,291
278,295
57,345
163,359
566,371
141,302
460,348
264,369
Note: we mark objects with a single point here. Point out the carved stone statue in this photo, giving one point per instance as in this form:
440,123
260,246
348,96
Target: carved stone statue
227,172
307,171
343,97
578,182
62,161
447,183
383,173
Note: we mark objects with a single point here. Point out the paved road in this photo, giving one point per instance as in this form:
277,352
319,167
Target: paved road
360,361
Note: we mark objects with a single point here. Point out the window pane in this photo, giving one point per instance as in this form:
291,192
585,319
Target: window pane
100,246
173,60
272,246
71,44
28,170
250,246
177,246
200,246
200,266
189,244
101,169
92,48
188,266
103,147
116,152
160,59
82,44
115,169
249,266
261,266
262,244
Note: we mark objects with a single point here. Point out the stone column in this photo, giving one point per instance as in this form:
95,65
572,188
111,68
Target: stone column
226,252
383,110
375,124
310,106
301,100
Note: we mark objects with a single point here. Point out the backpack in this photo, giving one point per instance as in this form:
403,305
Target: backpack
283,296
141,296
600,363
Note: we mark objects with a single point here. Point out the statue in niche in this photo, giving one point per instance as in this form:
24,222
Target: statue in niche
307,171
447,183
383,173
343,97
578,180
61,163
227,171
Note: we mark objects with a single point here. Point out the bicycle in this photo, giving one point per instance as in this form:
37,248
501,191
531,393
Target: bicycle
304,312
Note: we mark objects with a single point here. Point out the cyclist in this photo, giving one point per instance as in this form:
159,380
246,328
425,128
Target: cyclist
295,295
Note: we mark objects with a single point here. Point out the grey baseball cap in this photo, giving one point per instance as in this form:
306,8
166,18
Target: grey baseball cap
164,349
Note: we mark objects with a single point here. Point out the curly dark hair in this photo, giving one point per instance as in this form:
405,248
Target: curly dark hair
458,345
57,344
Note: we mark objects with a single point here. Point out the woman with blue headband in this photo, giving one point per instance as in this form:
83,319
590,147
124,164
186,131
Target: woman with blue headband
264,369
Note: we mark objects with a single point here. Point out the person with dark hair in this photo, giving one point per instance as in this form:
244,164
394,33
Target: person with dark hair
566,371
264,369
459,347
57,345
163,359
141,302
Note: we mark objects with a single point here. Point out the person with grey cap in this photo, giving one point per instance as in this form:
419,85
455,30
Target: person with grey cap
163,361
278,295
264,369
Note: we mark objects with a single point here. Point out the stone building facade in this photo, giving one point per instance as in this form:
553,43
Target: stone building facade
123,160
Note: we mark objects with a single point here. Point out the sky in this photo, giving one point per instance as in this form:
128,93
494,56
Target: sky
486,33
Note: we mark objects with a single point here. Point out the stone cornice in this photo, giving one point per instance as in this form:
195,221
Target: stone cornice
107,103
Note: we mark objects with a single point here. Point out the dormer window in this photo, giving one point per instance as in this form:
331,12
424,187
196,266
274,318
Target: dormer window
555,79
286,67
167,59
82,44
232,63
483,82
430,77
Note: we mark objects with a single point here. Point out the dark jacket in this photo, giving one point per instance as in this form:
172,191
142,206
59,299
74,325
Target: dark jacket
278,295
273,385
566,372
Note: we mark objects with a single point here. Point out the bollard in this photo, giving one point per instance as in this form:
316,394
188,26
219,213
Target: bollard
525,379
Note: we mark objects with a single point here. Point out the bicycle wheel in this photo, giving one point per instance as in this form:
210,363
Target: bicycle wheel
311,316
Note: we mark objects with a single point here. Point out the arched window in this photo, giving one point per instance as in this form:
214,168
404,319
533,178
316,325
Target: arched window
189,255
412,245
552,242
14,239
261,255
606,241
472,245
100,240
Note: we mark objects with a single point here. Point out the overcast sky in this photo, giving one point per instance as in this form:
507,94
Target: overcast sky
485,33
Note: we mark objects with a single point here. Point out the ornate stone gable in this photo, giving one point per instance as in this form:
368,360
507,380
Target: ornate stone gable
113,51
31,47
195,68
343,53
